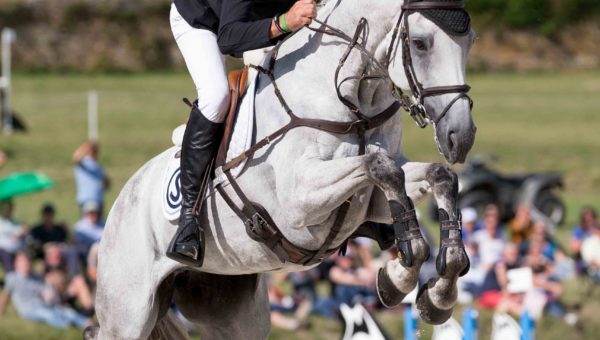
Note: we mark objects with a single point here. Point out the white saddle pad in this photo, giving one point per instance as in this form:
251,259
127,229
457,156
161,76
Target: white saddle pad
241,140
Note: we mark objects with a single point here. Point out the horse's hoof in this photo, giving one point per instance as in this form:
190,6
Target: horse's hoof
428,311
389,295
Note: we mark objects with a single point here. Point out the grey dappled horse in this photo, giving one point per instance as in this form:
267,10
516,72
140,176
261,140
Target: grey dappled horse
301,179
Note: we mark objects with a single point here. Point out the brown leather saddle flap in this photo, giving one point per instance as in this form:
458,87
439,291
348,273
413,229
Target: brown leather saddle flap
237,87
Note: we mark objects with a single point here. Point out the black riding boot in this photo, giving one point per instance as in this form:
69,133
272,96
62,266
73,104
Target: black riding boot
200,143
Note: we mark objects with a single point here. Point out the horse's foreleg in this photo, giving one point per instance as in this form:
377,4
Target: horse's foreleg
322,186
398,277
437,297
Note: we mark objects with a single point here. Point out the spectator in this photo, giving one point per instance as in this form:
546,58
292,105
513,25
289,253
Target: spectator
562,266
588,221
543,269
36,301
590,254
489,241
286,311
493,293
469,220
48,231
353,282
90,178
490,209
521,224
62,272
89,229
92,263
11,235
468,284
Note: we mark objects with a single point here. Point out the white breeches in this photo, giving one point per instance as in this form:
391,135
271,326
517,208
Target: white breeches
205,64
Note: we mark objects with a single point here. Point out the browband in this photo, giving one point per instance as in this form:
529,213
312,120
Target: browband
458,4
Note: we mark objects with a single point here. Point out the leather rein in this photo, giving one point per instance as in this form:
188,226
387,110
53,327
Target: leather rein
259,225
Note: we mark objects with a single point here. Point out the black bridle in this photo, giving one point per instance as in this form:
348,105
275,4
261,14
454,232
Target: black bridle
415,106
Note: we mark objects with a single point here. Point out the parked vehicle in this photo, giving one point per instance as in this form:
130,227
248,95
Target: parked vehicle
479,185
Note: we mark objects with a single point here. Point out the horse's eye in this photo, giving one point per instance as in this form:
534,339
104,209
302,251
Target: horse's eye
420,44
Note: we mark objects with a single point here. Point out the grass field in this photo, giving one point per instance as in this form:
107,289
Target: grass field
534,122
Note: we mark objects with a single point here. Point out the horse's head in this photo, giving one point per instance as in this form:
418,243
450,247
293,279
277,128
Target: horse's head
428,59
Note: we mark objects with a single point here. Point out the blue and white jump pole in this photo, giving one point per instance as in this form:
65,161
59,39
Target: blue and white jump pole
470,324
411,324
527,324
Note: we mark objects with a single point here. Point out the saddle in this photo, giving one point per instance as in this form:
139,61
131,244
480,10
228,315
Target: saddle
238,81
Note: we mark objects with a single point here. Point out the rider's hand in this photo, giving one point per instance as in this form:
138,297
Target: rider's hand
301,14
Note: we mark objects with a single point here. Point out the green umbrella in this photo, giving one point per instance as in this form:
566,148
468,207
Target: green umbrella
23,183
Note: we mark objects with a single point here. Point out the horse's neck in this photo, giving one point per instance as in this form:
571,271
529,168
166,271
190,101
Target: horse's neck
308,60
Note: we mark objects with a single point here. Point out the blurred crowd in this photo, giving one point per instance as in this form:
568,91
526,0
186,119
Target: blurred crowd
515,267
49,268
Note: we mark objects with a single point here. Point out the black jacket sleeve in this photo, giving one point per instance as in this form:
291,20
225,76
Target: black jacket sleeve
239,30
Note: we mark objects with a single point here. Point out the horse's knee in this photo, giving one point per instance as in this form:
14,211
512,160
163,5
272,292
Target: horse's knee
444,185
440,174
384,171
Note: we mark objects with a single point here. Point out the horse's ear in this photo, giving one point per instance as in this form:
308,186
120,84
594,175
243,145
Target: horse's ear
188,102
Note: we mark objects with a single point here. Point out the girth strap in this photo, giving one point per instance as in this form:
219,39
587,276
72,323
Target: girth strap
335,229
261,228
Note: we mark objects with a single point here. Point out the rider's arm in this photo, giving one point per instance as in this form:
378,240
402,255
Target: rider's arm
240,32
81,151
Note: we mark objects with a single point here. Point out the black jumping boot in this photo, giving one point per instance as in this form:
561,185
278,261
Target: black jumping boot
200,143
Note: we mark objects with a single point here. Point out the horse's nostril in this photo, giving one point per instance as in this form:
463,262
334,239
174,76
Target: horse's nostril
451,140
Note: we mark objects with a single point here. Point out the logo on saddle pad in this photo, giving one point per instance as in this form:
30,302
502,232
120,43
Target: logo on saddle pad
171,193
174,190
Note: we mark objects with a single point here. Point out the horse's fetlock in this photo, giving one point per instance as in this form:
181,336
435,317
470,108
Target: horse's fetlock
456,261
420,250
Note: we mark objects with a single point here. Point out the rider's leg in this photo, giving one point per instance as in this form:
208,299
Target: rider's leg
202,135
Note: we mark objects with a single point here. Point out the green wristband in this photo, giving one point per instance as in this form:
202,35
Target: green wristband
283,23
